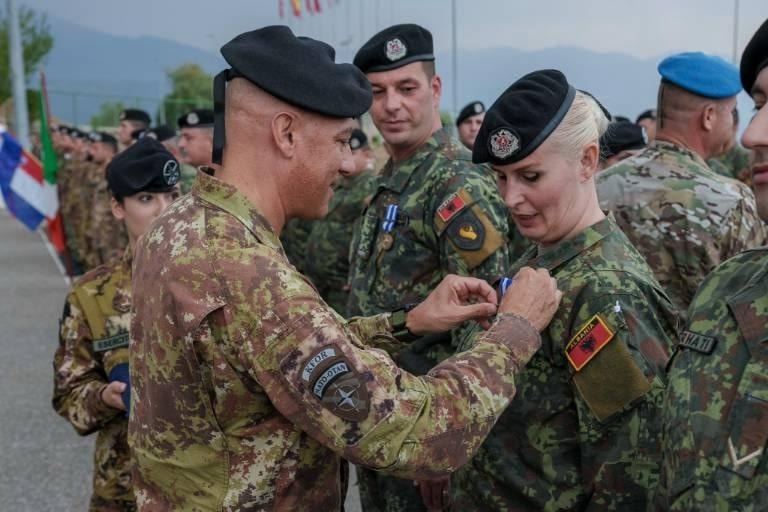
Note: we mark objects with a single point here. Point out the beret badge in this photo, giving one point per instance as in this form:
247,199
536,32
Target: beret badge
122,116
478,108
503,143
192,118
395,49
171,173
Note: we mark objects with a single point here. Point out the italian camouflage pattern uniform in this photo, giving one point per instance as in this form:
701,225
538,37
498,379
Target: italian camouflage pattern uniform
294,238
66,189
733,164
105,234
450,220
716,408
586,438
330,239
93,340
246,387
680,215
76,205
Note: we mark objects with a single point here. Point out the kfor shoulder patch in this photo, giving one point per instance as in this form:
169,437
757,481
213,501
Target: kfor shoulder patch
586,343
335,382
698,342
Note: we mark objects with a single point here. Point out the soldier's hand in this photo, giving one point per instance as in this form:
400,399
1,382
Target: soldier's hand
533,295
454,301
435,493
110,395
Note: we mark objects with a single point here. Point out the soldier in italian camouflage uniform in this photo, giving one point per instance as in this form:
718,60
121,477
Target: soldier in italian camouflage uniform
584,430
433,213
104,235
91,387
247,387
330,237
682,217
716,408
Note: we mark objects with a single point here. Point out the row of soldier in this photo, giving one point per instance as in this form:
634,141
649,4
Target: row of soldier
245,389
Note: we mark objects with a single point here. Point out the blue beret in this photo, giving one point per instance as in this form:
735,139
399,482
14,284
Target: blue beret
144,166
523,117
701,74
395,47
755,57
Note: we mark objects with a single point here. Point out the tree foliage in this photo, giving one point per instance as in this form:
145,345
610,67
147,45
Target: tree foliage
36,41
191,87
108,114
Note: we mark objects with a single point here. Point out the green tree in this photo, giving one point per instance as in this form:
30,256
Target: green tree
108,114
36,41
191,87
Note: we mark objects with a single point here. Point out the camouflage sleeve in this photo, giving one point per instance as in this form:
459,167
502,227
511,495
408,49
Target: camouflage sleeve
744,228
617,357
78,376
357,402
375,332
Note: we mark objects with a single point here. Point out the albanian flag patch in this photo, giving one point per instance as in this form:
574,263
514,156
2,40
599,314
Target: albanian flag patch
588,342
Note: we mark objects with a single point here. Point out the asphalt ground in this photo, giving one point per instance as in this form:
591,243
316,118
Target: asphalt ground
44,464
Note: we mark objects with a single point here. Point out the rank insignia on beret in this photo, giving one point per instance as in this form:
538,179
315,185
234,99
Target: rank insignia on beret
334,381
122,116
193,118
151,135
478,108
586,343
171,173
395,49
451,206
503,143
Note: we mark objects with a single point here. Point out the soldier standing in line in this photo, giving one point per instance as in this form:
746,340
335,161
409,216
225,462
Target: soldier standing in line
716,408
131,120
734,162
84,175
468,123
91,387
246,387
681,216
647,120
433,213
584,430
168,137
330,237
105,235
67,189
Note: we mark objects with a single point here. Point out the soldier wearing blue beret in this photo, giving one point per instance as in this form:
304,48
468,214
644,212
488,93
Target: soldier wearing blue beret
684,218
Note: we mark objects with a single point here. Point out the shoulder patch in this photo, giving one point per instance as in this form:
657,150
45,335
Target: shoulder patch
452,205
586,343
467,232
336,384
698,342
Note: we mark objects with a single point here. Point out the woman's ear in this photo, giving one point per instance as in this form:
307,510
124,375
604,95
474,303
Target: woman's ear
590,157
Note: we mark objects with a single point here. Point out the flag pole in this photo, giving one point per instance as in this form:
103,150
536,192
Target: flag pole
21,115
455,65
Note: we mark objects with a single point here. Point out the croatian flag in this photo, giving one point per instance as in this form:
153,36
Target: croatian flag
28,196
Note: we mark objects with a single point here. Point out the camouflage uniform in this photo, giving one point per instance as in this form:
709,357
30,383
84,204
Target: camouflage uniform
680,215
585,439
450,220
733,164
66,188
716,408
330,238
188,173
294,238
106,235
93,340
231,351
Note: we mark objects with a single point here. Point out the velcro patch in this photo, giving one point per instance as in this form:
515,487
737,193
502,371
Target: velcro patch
451,206
586,343
316,360
113,342
327,376
347,397
334,381
698,342
467,232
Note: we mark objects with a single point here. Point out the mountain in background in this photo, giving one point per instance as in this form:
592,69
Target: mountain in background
87,67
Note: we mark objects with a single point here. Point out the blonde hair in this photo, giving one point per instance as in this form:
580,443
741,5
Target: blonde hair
584,123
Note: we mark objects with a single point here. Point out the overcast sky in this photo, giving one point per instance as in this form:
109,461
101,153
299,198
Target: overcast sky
648,28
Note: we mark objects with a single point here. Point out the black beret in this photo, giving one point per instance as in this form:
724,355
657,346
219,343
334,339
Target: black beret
618,118
622,135
197,118
474,108
523,117
134,114
298,70
102,137
647,114
160,133
755,57
358,139
77,132
395,47
144,166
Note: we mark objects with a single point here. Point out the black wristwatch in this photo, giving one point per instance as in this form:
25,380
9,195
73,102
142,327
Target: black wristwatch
397,320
